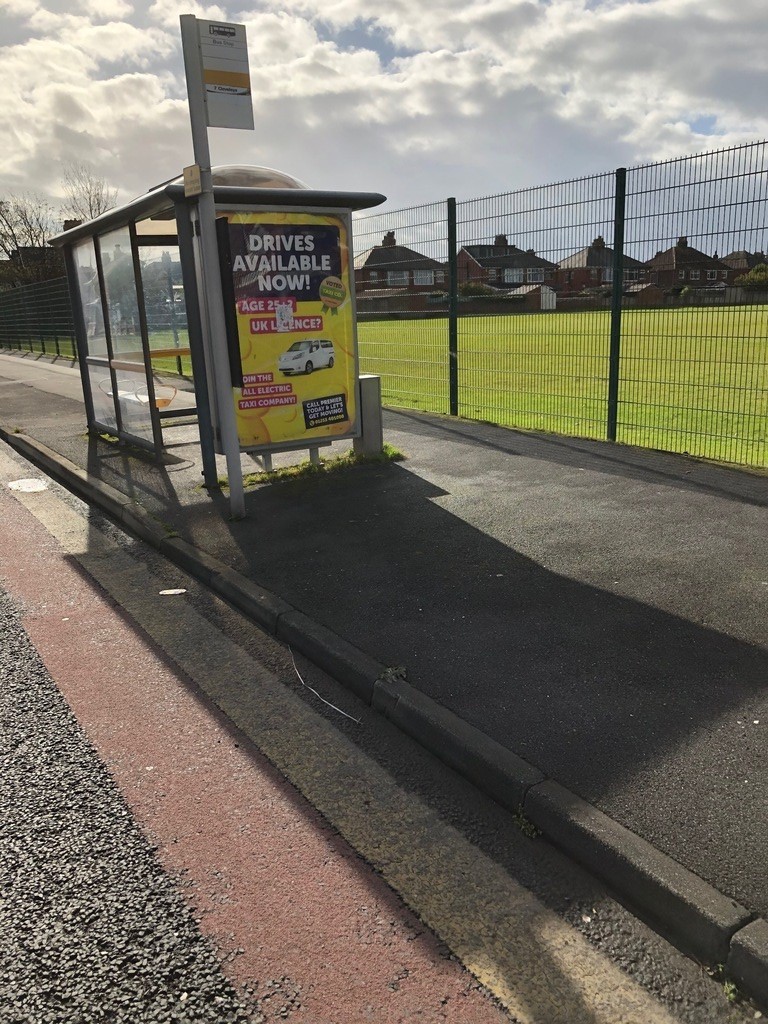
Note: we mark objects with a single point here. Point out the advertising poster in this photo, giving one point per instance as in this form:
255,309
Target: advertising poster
295,327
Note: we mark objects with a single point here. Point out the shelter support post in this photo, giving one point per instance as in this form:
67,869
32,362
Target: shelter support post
196,351
213,307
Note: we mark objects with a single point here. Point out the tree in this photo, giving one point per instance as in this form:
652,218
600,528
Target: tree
756,279
26,224
26,220
86,195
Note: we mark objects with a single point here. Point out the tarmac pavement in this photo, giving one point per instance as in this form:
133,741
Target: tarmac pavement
595,610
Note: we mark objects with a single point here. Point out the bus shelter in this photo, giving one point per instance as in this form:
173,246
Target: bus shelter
135,281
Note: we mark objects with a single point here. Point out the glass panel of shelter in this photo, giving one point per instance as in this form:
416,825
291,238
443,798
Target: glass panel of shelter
167,330
97,357
132,389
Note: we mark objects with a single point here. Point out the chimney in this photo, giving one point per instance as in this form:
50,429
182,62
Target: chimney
599,243
682,242
500,242
73,223
389,239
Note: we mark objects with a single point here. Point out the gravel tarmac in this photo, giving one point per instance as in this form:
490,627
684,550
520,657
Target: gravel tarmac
91,927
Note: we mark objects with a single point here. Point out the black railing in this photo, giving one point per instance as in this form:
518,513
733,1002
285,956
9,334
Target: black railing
622,306
613,306
38,318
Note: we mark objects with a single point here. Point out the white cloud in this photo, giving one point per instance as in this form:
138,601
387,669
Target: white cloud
321,72
18,8
463,96
278,39
166,12
106,10
454,24
106,43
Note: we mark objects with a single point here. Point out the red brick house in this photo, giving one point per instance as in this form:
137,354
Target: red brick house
743,261
682,266
390,265
30,263
593,268
502,265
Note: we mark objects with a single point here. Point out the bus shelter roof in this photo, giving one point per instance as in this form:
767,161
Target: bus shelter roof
159,204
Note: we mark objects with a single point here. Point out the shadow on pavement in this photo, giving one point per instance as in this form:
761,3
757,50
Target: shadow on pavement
619,701
650,714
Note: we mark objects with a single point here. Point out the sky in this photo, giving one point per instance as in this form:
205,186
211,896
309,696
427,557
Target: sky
416,100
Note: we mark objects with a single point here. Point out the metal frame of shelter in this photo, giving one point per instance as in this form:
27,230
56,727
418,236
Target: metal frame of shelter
104,270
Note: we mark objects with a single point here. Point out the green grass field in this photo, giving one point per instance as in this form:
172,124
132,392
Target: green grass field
692,380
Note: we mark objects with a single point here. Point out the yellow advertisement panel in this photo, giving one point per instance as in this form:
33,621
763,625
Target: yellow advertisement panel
295,327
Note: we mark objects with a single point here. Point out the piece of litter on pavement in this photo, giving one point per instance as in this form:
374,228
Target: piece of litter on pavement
319,696
29,486
173,590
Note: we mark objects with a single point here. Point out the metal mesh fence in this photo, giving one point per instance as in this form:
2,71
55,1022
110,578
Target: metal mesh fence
629,305
532,349
401,275
38,318
694,365
610,306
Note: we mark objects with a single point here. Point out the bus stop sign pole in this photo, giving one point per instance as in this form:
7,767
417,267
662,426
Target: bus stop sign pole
224,65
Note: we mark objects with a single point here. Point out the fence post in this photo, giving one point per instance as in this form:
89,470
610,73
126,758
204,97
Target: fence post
53,313
619,210
453,305
25,313
40,294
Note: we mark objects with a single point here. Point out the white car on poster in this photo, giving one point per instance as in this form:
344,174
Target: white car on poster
307,355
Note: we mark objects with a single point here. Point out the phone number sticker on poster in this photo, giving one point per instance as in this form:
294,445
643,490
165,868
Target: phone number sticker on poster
292,291
319,411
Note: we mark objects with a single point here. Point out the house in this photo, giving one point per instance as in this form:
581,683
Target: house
743,261
750,279
593,268
390,265
501,264
682,266
31,263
